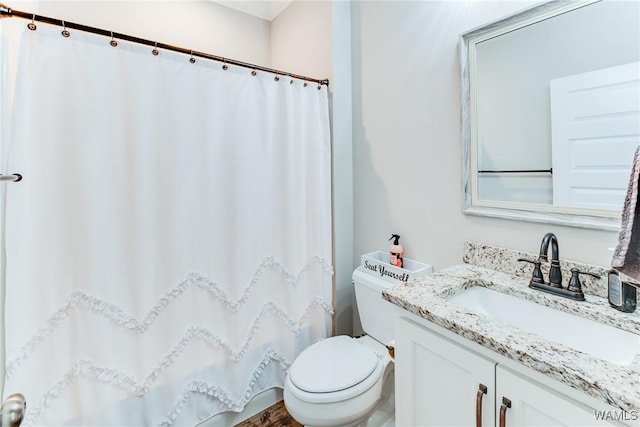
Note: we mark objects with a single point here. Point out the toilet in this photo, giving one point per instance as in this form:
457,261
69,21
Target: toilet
340,381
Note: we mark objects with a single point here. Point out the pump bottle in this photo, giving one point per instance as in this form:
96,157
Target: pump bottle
396,252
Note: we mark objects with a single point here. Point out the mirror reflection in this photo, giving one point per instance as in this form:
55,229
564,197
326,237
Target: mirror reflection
555,108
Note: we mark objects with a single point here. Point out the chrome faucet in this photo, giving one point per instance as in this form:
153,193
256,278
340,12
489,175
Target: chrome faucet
555,275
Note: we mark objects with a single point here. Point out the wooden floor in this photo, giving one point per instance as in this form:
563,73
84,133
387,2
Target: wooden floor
273,416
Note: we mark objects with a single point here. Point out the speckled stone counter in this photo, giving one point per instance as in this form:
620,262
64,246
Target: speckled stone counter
426,297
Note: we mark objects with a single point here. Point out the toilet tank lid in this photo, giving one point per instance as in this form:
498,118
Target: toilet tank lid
332,364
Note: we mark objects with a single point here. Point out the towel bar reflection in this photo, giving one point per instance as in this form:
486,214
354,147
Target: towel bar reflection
549,171
14,177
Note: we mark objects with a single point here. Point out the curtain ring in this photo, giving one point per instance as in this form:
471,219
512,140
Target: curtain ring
224,64
113,42
319,86
305,82
254,72
276,78
64,32
155,49
32,25
290,79
192,59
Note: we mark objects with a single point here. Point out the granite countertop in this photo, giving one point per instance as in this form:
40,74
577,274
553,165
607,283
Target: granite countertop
615,384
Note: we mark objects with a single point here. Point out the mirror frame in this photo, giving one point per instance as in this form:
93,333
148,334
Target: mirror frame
549,214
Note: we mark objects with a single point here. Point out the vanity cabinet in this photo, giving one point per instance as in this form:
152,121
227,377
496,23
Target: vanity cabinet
532,404
441,381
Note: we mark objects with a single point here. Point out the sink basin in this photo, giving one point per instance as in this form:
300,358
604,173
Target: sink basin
596,339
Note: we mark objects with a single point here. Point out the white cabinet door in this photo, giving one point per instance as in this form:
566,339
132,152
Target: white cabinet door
532,404
438,382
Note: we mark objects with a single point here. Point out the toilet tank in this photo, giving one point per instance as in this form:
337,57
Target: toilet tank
376,315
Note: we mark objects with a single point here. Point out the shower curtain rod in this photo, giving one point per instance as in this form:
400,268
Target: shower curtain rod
6,11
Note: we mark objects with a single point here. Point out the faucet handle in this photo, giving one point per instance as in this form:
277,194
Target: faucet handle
574,282
536,276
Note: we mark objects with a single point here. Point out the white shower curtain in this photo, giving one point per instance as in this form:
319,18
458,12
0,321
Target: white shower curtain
168,252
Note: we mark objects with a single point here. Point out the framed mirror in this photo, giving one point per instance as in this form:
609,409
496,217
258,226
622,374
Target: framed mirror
551,113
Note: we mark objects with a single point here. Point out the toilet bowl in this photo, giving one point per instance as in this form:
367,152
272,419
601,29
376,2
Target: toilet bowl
339,381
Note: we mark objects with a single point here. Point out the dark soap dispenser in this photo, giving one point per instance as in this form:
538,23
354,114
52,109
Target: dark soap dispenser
622,295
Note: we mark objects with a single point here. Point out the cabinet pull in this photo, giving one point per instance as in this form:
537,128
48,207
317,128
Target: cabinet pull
506,404
482,390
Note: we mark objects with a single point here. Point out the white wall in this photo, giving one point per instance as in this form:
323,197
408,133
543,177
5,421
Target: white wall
301,39
407,172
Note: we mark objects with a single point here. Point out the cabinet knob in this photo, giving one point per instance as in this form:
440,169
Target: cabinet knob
506,404
482,390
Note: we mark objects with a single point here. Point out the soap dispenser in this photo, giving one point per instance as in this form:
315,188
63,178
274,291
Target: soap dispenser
396,252
622,295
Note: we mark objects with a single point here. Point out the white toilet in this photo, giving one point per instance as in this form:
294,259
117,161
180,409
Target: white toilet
339,381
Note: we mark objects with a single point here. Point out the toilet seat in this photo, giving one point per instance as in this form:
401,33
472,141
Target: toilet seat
333,370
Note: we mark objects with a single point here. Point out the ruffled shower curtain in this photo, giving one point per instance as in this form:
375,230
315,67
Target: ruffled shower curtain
168,252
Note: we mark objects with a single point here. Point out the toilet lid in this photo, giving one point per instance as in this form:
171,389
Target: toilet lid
333,364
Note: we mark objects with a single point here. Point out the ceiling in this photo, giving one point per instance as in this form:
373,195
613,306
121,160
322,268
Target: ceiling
265,9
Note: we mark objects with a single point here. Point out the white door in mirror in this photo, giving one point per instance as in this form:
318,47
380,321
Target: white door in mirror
595,127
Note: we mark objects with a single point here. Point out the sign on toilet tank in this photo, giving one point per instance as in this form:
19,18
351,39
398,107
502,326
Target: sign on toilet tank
377,264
